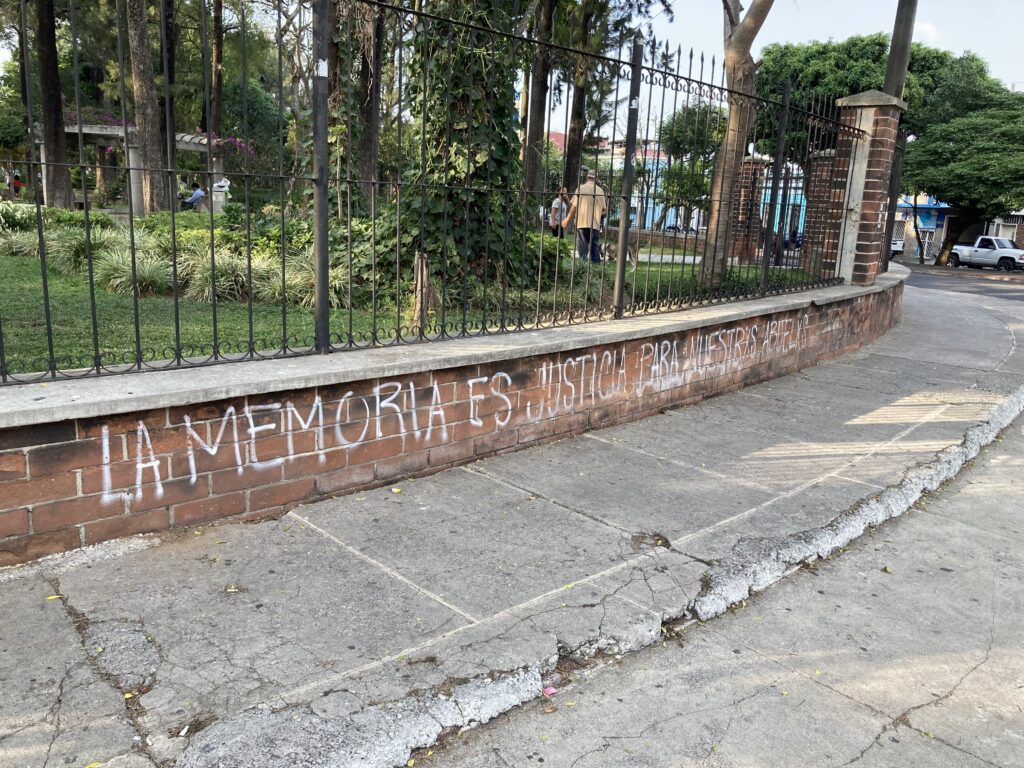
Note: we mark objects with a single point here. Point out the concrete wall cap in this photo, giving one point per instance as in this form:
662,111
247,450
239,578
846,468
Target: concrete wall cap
91,397
871,98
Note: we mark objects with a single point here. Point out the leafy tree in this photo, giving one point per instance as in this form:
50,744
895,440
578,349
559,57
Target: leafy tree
600,27
975,163
939,86
690,137
463,92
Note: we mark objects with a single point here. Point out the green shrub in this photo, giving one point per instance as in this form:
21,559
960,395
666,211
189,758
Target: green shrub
152,272
228,277
299,285
62,217
17,217
19,243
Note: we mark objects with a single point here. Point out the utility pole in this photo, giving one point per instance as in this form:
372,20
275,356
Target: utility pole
899,49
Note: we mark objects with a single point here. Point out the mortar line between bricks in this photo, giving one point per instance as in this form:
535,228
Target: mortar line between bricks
685,465
389,571
834,473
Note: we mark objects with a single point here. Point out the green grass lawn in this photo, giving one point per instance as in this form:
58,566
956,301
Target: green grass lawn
24,322
581,286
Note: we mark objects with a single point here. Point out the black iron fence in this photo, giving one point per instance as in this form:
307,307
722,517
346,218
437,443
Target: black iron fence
203,184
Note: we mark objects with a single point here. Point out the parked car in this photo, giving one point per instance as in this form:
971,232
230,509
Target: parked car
676,229
999,252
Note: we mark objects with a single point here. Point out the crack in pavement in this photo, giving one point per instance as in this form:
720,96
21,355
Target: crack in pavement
80,622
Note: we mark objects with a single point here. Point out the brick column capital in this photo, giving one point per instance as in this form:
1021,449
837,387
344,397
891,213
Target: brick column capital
871,99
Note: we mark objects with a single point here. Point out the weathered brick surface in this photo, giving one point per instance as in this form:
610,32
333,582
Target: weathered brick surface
880,146
69,484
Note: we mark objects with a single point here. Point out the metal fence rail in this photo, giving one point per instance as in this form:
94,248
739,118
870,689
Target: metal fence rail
376,174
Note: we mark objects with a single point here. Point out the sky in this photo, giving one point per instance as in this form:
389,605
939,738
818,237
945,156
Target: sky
990,28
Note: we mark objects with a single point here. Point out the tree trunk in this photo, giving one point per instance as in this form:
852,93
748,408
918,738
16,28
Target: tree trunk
960,225
578,111
540,72
147,113
660,222
22,82
170,34
106,170
217,72
59,192
334,54
740,71
370,70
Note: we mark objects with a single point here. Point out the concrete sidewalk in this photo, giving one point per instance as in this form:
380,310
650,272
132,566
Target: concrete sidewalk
905,652
354,630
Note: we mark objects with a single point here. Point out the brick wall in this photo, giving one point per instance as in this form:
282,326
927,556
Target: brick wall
74,483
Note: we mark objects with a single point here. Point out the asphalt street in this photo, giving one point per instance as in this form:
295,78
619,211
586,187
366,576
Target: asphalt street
972,283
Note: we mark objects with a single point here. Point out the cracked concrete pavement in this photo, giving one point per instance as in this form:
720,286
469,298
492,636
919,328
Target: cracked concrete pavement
906,651
356,630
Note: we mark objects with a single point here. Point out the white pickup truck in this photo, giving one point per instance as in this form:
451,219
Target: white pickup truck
998,252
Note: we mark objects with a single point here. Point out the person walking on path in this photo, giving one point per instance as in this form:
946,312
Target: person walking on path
589,207
559,208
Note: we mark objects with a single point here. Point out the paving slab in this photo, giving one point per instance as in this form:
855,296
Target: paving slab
500,546
56,708
764,460
948,330
243,611
805,509
905,652
590,476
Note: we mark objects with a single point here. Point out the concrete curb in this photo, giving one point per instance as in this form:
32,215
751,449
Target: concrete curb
759,564
384,734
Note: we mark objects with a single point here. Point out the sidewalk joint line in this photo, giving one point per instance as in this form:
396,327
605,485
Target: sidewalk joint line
685,465
389,571
523,489
805,486
861,482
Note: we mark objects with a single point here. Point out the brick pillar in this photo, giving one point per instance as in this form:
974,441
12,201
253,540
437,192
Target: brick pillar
745,242
821,221
861,248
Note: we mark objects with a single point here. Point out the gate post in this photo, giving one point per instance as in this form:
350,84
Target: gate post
861,244
321,256
629,157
